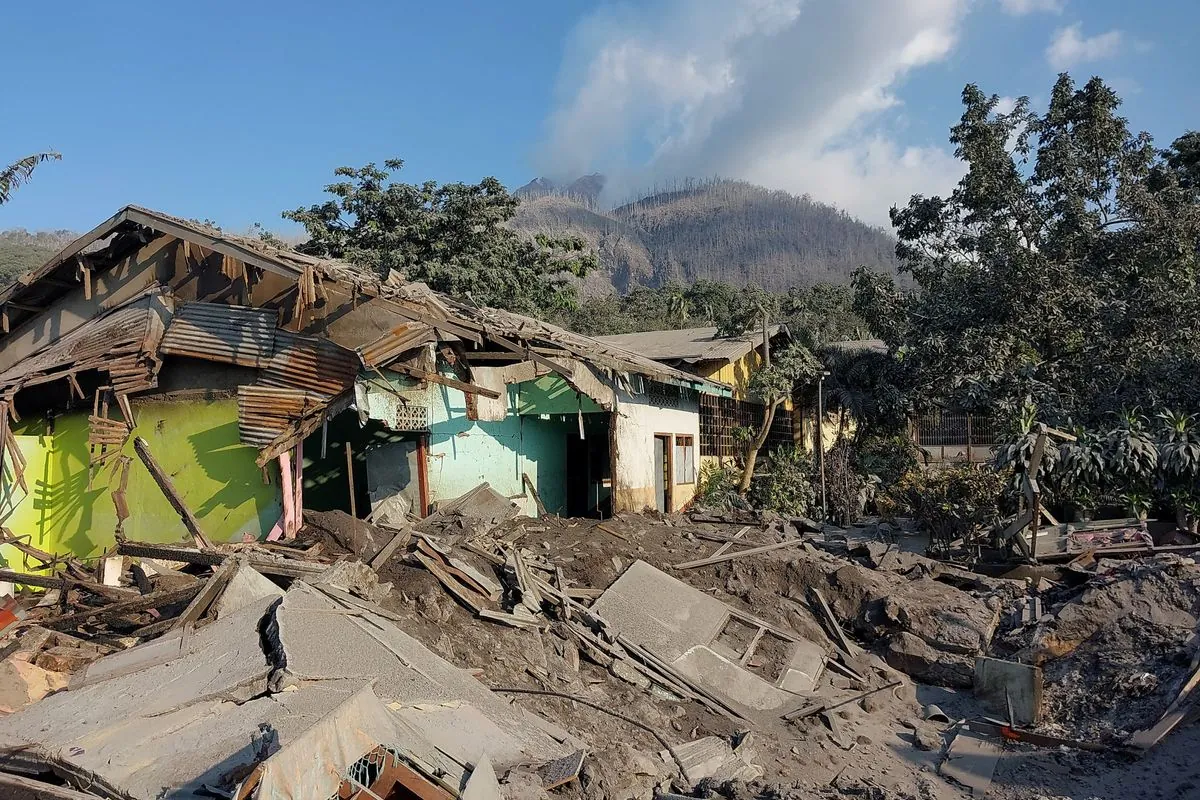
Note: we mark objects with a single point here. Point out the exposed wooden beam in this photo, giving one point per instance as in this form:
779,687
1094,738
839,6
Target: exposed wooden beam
435,377
531,355
26,307
168,489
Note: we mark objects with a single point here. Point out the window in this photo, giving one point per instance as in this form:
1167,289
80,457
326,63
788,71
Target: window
685,459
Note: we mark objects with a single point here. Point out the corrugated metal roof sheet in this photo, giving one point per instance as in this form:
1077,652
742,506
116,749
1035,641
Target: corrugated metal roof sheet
688,344
122,342
399,339
222,333
264,412
311,364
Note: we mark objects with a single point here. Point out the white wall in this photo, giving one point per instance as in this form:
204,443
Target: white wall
638,418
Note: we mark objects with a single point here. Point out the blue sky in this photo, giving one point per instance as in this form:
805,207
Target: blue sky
235,112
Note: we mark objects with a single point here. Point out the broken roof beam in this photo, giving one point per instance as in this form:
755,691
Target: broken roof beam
434,377
529,353
160,477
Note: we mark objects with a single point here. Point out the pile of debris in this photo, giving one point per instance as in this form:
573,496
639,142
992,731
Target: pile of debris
477,653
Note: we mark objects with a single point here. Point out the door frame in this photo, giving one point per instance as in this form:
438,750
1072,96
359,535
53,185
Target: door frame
668,469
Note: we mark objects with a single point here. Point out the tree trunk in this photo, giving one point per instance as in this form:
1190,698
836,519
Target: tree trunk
756,445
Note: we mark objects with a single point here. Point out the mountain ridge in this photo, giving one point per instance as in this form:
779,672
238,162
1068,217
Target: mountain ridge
716,229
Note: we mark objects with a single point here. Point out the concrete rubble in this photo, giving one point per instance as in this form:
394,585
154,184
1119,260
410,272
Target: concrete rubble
482,654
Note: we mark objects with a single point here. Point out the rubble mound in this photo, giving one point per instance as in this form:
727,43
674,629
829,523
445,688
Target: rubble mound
1117,653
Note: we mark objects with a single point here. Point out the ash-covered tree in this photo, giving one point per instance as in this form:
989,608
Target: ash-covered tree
791,367
452,236
1062,268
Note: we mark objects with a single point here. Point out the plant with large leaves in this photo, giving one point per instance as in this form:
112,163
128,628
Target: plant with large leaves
1179,465
19,172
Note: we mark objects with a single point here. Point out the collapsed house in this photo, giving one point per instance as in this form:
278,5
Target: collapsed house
251,382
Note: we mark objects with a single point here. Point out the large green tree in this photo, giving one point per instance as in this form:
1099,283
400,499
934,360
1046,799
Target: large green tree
17,173
1062,268
452,236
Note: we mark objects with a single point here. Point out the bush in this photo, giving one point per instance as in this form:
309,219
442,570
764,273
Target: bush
887,457
717,485
788,485
847,489
950,502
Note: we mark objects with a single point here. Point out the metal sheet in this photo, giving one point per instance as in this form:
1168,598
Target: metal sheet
311,364
395,342
121,343
222,333
265,412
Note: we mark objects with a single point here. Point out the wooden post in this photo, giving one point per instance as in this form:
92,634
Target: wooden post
350,478
423,474
968,437
168,489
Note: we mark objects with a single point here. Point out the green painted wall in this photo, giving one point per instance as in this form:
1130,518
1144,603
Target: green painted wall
550,394
196,442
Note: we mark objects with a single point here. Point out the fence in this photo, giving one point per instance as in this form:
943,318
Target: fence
955,436
719,416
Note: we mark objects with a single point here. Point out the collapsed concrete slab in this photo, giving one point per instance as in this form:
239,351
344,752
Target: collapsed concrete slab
753,665
267,685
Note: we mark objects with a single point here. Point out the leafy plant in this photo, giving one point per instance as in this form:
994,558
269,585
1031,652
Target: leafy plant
717,485
949,502
847,489
19,172
1179,465
887,457
788,485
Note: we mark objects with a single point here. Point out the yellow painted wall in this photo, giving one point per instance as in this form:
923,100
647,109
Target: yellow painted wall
195,442
738,373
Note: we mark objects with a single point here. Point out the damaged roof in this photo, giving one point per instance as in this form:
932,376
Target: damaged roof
690,345
423,315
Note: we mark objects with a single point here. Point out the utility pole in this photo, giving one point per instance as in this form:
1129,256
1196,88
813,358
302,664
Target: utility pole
820,439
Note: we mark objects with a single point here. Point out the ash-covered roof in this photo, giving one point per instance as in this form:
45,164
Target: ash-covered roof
690,345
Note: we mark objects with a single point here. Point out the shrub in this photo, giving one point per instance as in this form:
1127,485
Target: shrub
788,485
717,485
887,457
950,502
847,489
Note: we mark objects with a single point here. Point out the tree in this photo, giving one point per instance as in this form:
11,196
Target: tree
454,237
791,366
1061,270
19,172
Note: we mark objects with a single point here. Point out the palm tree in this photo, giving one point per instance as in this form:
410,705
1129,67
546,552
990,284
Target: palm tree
19,172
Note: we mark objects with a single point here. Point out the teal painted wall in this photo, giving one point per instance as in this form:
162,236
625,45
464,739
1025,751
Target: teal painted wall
463,452
550,394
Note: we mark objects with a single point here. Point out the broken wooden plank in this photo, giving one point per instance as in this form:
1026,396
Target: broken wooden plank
827,705
213,588
723,549
401,539
452,585
153,600
509,619
843,643
537,499
438,378
19,787
753,551
168,488
1173,716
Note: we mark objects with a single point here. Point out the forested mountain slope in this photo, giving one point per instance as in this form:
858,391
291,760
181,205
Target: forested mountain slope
720,230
